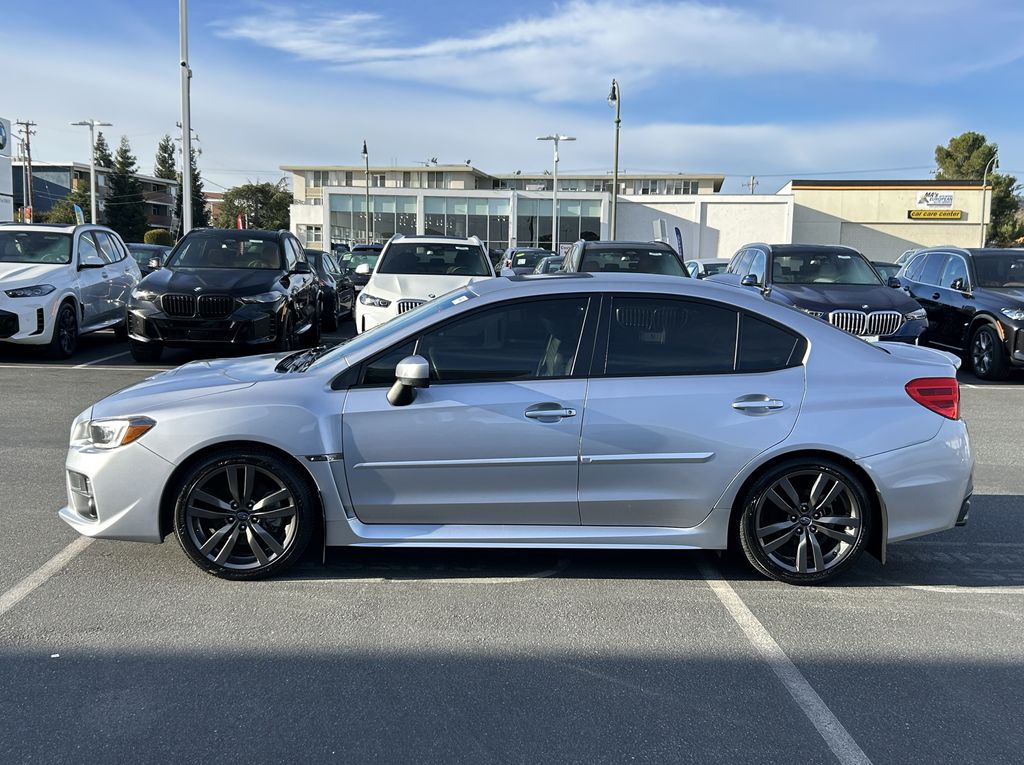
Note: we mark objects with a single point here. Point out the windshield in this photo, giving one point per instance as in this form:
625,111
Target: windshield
822,268
143,255
362,259
887,270
233,251
435,259
1000,270
715,268
34,247
396,324
529,259
640,260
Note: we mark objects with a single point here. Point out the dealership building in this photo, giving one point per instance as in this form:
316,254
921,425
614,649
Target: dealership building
881,218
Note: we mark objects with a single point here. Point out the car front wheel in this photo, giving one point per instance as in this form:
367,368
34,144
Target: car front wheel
805,521
65,333
987,354
244,514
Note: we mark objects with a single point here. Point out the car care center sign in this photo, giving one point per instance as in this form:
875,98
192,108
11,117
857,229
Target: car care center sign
934,205
6,179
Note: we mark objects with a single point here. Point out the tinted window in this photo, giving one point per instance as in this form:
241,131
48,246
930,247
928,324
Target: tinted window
997,270
954,275
640,260
914,266
740,261
757,265
34,247
822,267
226,250
437,259
764,346
669,337
931,271
381,370
107,249
87,249
530,339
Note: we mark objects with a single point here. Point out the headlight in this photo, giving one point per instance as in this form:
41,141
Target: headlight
815,314
367,299
919,313
138,294
263,297
111,433
36,290
1017,314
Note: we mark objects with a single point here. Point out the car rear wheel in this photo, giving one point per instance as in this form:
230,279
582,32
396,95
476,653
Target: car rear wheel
987,355
285,334
65,333
145,352
244,515
805,521
329,317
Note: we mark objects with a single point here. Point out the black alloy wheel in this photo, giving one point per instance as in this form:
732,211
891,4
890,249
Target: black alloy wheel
987,354
65,332
145,352
244,514
805,521
329,316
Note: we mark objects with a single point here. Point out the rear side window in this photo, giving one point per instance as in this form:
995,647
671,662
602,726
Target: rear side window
740,262
934,262
108,250
764,346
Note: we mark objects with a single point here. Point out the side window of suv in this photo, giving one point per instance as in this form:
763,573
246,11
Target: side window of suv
291,254
954,275
87,249
931,271
108,250
757,265
740,263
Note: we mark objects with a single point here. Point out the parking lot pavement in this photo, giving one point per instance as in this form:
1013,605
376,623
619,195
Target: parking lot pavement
128,652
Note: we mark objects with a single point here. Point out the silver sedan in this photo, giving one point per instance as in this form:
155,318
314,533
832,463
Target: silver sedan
577,410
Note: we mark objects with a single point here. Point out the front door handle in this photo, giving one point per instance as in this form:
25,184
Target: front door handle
549,411
756,403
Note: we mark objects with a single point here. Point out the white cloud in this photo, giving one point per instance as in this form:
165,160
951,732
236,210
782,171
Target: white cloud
566,55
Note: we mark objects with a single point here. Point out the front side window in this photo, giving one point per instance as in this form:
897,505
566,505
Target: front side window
438,259
823,267
35,247
757,266
234,250
518,341
954,275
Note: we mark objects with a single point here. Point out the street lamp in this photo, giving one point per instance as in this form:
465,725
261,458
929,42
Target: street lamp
992,164
554,187
369,218
615,100
92,125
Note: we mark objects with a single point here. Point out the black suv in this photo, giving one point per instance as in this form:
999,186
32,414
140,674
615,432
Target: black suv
243,287
625,257
974,299
830,282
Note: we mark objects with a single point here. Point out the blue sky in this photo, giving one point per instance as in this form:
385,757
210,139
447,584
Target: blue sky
776,89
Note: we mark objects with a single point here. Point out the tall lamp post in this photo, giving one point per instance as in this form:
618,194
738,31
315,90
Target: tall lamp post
186,120
369,216
615,100
993,164
92,125
554,187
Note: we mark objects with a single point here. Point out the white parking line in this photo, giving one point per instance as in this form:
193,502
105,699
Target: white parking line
85,366
828,726
18,592
100,361
967,589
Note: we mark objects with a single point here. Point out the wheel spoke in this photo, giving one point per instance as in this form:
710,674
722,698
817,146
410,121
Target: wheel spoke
831,496
846,521
248,476
202,512
280,512
216,537
778,542
775,528
791,494
232,473
229,545
209,499
819,563
254,545
841,536
819,484
801,554
268,540
779,502
270,499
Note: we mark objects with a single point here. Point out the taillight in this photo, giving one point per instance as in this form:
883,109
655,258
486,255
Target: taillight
940,394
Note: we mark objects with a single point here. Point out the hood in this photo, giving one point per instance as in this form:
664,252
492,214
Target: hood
28,274
1008,295
417,286
235,281
832,297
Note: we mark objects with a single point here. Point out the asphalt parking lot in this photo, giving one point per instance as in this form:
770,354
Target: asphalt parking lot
126,652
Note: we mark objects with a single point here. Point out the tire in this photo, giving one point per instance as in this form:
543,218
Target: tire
311,338
221,526
285,334
121,331
65,333
145,352
987,354
329,320
781,529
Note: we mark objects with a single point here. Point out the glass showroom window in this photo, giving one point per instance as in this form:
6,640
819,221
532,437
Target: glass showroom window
455,220
405,209
497,223
533,222
433,216
477,221
590,219
383,218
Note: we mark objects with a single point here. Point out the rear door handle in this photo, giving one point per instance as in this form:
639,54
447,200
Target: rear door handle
936,296
549,412
757,402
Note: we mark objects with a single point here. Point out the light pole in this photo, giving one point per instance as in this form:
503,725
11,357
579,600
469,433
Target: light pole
186,121
615,99
992,164
92,125
369,217
554,187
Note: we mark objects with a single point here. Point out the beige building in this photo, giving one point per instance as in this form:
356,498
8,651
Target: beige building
884,218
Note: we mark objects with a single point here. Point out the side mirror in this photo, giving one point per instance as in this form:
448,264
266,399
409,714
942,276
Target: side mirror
91,260
156,263
363,268
302,267
750,280
893,282
959,285
411,373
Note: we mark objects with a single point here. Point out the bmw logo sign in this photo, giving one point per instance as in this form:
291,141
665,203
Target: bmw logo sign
3,137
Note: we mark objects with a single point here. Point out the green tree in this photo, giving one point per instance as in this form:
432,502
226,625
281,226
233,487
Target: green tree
158,236
64,210
965,157
265,205
165,166
200,215
101,151
125,207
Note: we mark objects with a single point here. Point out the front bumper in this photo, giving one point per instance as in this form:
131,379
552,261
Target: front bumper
26,321
126,486
248,325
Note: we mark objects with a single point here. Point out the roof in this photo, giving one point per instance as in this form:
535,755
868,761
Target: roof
361,169
614,243
84,167
929,183
255,233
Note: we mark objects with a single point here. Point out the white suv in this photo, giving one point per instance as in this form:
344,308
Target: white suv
60,281
415,269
